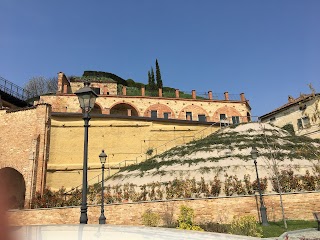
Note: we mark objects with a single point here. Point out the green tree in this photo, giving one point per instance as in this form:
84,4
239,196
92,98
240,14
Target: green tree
149,80
153,81
158,75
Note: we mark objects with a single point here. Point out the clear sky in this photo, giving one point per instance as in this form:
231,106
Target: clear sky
266,49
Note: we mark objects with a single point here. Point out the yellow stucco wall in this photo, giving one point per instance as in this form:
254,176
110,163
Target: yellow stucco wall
122,139
292,114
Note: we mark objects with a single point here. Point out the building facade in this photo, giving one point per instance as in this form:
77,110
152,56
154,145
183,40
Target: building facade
302,113
43,144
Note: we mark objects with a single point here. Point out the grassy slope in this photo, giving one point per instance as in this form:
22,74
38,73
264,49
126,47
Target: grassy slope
222,140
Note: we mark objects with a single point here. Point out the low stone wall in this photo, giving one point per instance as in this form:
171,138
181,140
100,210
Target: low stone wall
220,209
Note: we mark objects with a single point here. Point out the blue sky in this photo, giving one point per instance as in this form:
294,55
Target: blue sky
266,49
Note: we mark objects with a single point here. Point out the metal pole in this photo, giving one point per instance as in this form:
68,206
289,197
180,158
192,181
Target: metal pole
102,218
84,207
263,209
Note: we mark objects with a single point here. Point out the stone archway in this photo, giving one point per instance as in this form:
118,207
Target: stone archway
161,111
123,109
96,109
13,184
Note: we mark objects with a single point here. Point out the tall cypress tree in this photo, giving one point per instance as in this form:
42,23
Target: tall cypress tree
149,80
158,75
153,82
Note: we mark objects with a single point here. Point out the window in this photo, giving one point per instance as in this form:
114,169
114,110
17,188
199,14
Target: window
154,114
166,115
272,119
235,119
303,122
96,90
189,116
299,123
202,118
223,117
306,122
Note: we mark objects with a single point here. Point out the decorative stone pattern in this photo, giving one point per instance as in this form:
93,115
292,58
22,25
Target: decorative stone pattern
222,209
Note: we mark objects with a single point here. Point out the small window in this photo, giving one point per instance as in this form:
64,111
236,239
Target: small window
235,119
154,114
299,123
96,90
223,117
272,119
306,122
189,116
202,118
166,115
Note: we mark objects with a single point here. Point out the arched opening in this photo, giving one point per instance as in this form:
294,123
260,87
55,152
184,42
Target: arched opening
14,186
248,117
96,109
123,109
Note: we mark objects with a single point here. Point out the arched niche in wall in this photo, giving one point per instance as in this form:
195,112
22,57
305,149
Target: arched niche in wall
229,113
163,111
96,109
194,111
14,186
123,109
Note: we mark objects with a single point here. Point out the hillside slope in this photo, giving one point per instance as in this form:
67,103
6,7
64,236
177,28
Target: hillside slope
226,152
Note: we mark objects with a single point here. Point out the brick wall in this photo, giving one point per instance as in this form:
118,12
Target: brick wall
222,209
143,105
24,144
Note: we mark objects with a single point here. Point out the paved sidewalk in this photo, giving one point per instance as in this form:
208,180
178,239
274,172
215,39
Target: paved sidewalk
303,234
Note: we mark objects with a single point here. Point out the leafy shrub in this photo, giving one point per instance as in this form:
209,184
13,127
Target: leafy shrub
150,218
245,225
289,128
185,219
214,227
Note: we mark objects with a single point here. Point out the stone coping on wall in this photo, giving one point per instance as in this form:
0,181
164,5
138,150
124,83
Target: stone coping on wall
165,98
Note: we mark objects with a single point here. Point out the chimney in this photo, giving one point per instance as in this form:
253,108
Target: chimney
60,87
226,96
290,99
160,92
143,91
242,97
210,95
124,90
177,93
194,95
65,89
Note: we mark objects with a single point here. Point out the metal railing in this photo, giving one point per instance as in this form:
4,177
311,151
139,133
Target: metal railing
170,93
14,90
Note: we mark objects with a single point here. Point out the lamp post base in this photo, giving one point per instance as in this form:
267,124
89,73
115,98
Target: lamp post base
264,219
102,219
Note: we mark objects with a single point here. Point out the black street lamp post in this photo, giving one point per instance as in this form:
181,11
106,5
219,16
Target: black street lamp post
87,98
103,157
263,209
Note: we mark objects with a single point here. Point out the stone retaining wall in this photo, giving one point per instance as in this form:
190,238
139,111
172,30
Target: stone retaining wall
221,209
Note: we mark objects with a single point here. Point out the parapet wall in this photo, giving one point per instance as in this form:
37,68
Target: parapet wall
220,209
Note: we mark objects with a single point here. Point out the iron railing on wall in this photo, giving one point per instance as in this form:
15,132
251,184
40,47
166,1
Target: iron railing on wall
14,90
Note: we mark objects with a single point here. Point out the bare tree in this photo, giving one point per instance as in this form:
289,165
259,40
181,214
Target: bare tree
37,86
272,163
